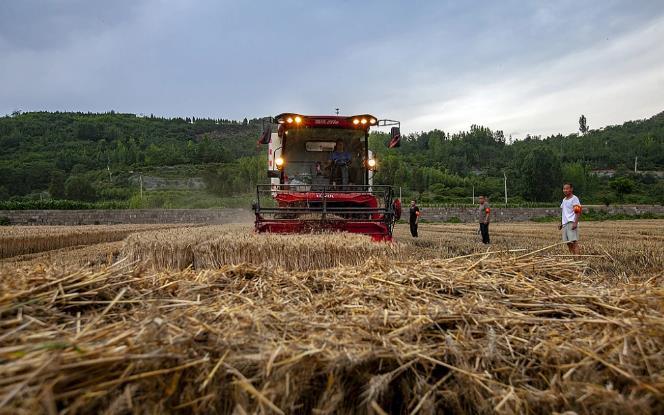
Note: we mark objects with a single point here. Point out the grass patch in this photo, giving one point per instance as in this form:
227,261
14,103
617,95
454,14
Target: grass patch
188,199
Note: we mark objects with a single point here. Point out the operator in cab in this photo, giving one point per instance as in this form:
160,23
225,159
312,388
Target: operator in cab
339,162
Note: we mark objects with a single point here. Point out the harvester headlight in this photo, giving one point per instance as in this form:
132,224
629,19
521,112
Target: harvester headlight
371,163
298,119
279,162
372,121
289,120
364,121
356,121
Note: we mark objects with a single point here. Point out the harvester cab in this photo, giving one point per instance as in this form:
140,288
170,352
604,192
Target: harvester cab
321,177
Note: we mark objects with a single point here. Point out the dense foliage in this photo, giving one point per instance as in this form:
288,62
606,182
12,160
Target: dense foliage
93,158
443,167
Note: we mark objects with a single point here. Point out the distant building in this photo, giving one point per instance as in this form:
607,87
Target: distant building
610,173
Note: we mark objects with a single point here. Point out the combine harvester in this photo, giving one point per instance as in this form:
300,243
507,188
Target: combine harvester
321,177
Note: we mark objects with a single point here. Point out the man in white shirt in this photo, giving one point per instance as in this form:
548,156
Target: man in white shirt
571,212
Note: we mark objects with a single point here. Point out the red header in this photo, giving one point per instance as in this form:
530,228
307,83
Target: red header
358,198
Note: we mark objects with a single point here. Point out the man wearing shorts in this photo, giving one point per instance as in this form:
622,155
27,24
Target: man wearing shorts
571,212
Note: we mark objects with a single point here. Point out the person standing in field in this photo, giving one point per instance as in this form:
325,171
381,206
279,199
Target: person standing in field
414,218
571,212
483,214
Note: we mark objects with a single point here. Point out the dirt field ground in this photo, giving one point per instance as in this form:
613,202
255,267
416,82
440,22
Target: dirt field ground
437,324
612,248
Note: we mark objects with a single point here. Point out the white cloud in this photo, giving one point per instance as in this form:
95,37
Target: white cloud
616,80
442,66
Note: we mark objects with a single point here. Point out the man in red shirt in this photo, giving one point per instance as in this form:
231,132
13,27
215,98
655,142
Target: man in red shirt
483,214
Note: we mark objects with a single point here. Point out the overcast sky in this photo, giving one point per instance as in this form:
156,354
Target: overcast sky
520,66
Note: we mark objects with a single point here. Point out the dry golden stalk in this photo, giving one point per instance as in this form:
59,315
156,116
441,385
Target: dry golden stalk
501,332
21,240
215,246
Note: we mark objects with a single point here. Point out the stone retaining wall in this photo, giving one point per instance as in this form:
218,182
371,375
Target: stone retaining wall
498,214
227,215
111,217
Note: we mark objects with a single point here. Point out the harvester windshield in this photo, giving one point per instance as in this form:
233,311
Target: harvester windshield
311,154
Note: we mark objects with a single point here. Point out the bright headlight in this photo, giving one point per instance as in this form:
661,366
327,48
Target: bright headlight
371,163
289,120
298,119
356,121
364,121
279,162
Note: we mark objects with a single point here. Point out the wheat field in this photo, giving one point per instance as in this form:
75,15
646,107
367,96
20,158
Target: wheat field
612,248
214,246
23,240
218,320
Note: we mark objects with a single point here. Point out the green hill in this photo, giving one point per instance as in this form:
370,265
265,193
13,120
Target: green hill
442,167
107,159
94,157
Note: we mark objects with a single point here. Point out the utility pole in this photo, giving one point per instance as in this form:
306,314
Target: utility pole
337,110
472,200
636,161
505,177
108,167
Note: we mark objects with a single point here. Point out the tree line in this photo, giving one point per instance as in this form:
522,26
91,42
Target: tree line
97,157
86,156
439,167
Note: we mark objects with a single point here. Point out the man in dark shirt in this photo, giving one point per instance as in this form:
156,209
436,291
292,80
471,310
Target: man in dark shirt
414,218
483,214
339,161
